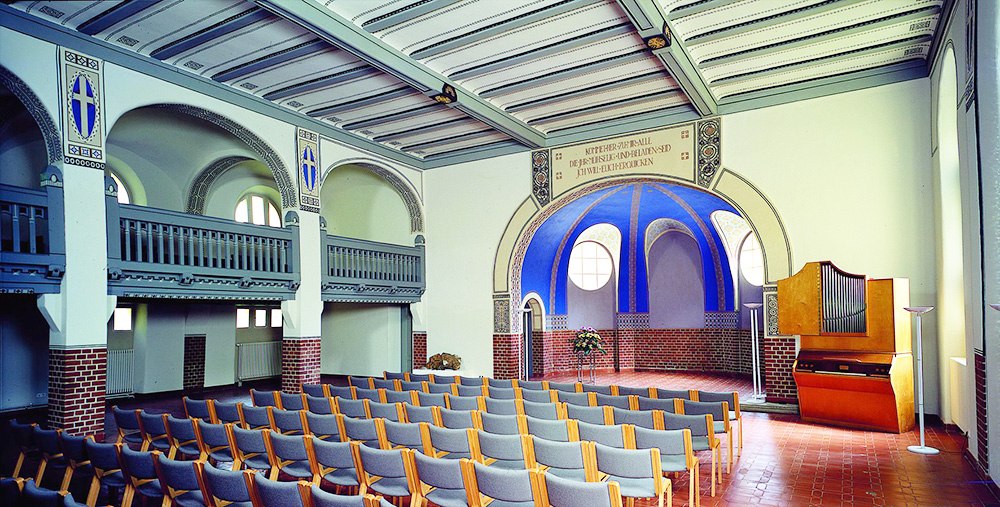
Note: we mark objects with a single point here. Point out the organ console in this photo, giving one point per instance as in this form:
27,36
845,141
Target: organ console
854,366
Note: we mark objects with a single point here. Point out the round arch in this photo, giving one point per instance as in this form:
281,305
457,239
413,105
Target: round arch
31,102
729,186
198,193
391,176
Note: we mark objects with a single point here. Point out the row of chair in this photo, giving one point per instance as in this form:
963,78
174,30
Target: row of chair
15,492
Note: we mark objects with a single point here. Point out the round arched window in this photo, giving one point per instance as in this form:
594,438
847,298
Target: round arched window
590,265
752,261
123,197
258,210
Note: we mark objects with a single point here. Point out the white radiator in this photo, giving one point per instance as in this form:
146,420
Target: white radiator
258,360
119,373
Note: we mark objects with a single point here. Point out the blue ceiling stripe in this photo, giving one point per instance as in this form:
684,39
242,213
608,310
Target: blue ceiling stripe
113,16
271,60
215,31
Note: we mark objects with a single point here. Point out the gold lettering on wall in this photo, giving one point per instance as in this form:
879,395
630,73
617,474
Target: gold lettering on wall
667,152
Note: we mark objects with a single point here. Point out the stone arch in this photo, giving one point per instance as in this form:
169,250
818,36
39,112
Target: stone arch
202,184
529,216
270,158
50,133
391,176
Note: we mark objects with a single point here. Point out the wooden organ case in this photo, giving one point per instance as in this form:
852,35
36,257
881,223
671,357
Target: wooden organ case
854,366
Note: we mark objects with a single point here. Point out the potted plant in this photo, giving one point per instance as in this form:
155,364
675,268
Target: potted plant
587,340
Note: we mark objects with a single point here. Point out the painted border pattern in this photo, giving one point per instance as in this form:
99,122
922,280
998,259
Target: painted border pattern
709,150
541,177
50,133
204,181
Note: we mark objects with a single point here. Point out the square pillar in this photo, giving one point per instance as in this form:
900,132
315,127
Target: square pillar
419,349
300,362
506,356
77,380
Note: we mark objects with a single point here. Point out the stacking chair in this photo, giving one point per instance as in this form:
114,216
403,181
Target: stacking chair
651,419
393,375
664,404
676,455
249,449
460,419
22,436
319,404
407,385
546,410
504,384
183,437
107,469
470,390
559,492
486,485
646,392
608,400
541,396
323,426
348,392
265,398
702,437
439,388
446,442
154,432
197,409
592,415
637,472
140,475
288,455
286,422
388,411
361,430
440,481
441,379
37,496
369,394
11,487
214,441
388,385
432,400
533,385
397,435
75,453
320,498
231,488
316,390
52,454
503,451
671,393
69,501
733,399
272,493
400,396
567,387
572,398
504,424
569,460
255,418
428,415
501,393
387,472
720,419
291,401
129,431
466,403
359,382
594,388
615,435
422,377
563,430
471,381
503,406
335,463
180,481
227,413
352,408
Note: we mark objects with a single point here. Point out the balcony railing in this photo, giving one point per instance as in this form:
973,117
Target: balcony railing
160,253
31,236
357,270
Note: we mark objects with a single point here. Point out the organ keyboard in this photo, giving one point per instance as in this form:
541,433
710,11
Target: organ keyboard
854,366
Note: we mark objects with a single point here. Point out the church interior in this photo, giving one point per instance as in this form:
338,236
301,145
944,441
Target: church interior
536,253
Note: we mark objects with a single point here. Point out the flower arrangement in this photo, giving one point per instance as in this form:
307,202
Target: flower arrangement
444,361
587,340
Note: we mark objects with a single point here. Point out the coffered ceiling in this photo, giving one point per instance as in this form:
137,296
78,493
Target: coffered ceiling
440,81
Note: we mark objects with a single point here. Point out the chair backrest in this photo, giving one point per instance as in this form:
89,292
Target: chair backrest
227,412
719,410
10,489
545,410
323,426
472,381
503,424
322,498
177,477
672,393
348,392
69,501
502,406
733,398
439,473
466,402
504,383
249,441
137,465
319,404
413,385
288,422
448,388
701,425
460,418
402,435
181,431
279,494
669,442
533,385
561,492
610,435
664,404
595,388
506,449
359,382
634,391
255,417
389,411
199,409
73,446
387,384
501,393
651,419
395,463
592,415
510,487
368,394
415,414
422,377
46,440
569,387
393,375
563,430
351,408
361,430
264,398
575,456
336,455
291,401
286,447
445,442
612,401
540,396
470,390
227,485
103,456
398,396
573,398
432,400
126,420
442,379
631,464
213,438
316,390
40,497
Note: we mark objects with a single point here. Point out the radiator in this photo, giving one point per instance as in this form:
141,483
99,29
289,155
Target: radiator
258,360
119,373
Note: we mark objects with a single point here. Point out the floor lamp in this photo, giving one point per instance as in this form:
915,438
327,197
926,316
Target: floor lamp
918,311
758,381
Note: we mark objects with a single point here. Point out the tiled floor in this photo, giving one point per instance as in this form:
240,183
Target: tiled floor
786,462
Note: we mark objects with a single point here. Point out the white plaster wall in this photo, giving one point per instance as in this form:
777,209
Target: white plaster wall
22,55
360,339
218,323
360,204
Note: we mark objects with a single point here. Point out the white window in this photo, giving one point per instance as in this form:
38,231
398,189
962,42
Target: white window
258,210
242,318
260,318
275,317
123,319
123,197
590,265
752,261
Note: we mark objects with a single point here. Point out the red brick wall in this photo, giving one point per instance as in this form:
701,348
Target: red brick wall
506,355
300,362
194,362
419,350
77,384
779,354
982,426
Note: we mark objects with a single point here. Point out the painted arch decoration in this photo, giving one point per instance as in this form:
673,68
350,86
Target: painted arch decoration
31,102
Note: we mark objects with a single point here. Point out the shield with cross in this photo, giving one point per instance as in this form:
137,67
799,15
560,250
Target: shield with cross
83,106
310,174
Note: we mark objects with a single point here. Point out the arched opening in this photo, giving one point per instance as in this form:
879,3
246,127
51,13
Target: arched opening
533,327
22,146
591,291
676,285
950,259
751,276
358,203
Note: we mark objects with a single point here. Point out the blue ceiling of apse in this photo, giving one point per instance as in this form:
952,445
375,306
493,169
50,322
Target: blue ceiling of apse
614,205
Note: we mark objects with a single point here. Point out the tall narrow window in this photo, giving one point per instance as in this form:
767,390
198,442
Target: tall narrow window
123,197
123,319
258,210
752,261
275,317
242,318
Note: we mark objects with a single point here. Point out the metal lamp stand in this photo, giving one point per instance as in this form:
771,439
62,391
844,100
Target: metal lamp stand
917,311
758,380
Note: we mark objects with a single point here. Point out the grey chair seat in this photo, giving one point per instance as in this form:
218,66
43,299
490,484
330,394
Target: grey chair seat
635,488
257,463
391,486
299,470
190,499
448,497
509,464
700,443
113,480
575,474
190,449
673,463
342,477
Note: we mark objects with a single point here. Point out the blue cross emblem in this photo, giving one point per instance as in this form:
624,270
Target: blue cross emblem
83,106
309,173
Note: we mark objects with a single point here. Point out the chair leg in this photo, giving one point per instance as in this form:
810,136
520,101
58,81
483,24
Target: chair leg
95,489
729,462
17,466
713,473
128,496
740,448
692,478
172,452
67,477
41,471
630,502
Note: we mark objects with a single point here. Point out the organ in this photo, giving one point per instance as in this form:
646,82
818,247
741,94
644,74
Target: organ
854,367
